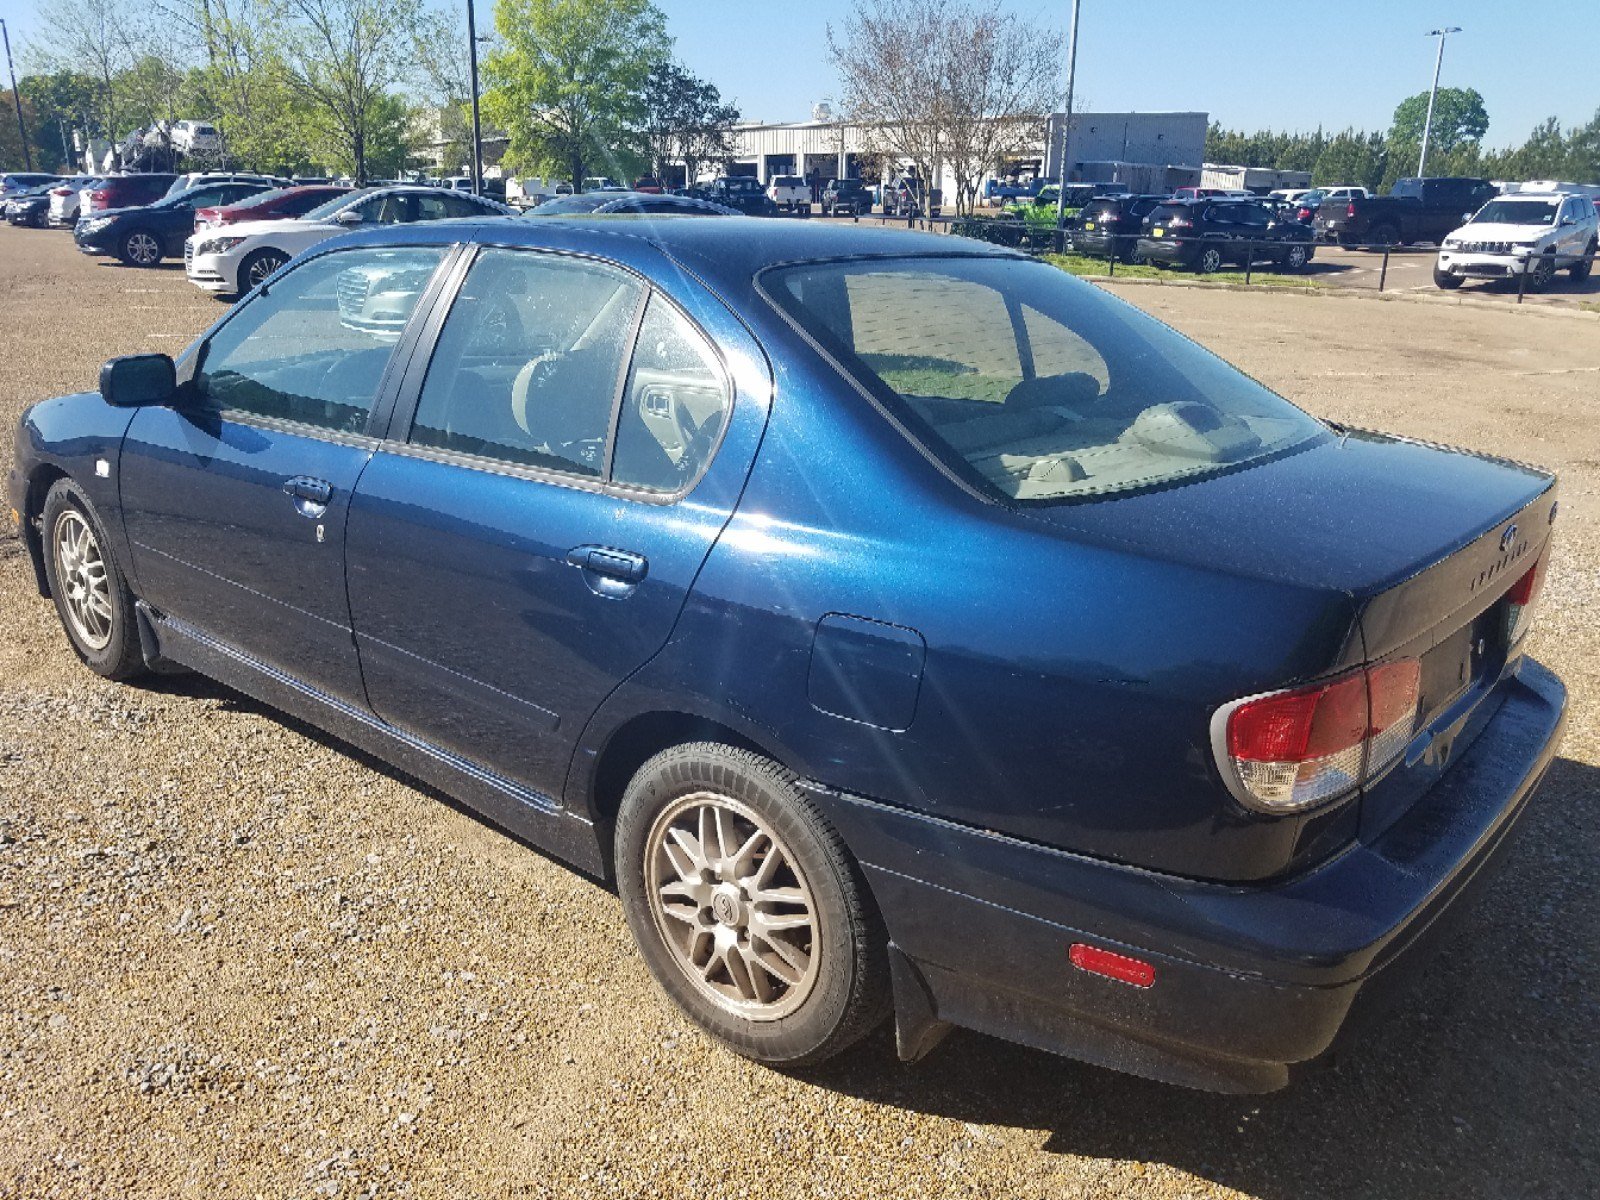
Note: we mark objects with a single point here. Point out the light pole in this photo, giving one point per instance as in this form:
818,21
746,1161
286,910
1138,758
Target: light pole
1427,123
1066,123
477,130
16,97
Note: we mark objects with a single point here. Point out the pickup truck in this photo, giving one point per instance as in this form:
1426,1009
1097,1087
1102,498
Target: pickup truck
790,193
1415,210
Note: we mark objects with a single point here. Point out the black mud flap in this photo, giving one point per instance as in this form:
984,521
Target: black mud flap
917,1028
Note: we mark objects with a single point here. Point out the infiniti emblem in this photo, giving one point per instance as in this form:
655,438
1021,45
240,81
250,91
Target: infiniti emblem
1509,536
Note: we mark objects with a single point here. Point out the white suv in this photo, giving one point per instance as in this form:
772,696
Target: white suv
1526,233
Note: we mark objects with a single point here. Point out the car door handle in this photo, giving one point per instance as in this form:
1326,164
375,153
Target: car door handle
303,487
609,572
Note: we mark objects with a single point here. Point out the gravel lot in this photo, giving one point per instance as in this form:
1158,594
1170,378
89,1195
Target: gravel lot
237,959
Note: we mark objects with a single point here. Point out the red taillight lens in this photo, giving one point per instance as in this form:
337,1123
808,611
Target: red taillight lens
100,197
1349,210
61,191
1303,214
1295,749
1520,601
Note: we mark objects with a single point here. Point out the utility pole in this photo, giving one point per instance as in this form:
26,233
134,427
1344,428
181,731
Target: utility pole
477,130
16,97
1427,123
1066,124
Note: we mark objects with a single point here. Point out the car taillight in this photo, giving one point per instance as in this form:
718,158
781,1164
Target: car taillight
61,191
1303,215
1179,223
1291,750
1520,601
1349,210
100,197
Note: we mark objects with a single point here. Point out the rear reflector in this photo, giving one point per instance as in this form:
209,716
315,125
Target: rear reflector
1294,749
1113,966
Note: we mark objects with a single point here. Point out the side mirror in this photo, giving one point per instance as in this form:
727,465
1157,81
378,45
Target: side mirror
1465,217
350,217
139,381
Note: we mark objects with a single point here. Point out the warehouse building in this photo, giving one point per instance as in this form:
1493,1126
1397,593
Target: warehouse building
1150,150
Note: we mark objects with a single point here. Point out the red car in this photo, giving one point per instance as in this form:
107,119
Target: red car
277,205
649,185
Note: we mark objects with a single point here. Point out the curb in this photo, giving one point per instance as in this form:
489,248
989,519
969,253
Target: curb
1348,293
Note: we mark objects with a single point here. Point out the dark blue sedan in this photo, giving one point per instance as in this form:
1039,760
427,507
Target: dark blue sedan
143,235
903,625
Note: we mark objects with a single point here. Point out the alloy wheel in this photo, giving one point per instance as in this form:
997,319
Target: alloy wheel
143,249
1296,257
732,906
261,269
81,575
1210,260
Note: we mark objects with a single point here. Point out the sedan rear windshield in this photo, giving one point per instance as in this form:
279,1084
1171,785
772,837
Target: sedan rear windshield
1030,384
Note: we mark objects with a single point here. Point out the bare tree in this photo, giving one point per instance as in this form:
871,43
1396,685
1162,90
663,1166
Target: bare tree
889,54
90,37
946,83
1001,84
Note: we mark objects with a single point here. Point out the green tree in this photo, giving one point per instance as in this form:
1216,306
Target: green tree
1459,122
342,61
1351,157
569,84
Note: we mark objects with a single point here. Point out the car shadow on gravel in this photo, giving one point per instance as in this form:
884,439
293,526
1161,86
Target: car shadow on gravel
1483,1082
200,687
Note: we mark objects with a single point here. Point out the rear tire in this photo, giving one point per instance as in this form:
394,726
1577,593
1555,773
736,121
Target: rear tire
90,592
1581,269
747,907
1295,258
1384,235
1209,262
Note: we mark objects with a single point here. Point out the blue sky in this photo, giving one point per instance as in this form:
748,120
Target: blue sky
1251,64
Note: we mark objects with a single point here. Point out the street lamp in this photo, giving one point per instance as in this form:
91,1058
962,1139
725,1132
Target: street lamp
16,98
1427,123
477,131
1066,123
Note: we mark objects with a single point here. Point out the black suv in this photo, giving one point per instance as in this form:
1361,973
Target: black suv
742,192
1108,226
1206,233
846,196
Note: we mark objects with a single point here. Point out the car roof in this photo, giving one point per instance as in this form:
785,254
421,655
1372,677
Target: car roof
732,250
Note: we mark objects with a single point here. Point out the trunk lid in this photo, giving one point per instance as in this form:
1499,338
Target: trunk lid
1425,540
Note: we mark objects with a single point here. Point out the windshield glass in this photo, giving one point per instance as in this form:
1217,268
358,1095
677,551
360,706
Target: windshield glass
328,207
1518,212
1033,385
572,204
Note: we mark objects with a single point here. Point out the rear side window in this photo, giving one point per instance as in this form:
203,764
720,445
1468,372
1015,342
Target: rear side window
1034,387
313,348
674,405
528,363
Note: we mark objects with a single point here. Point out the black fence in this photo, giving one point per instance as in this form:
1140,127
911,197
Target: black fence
1250,256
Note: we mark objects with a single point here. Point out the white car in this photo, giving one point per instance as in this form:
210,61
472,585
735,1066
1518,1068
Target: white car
1289,195
1522,234
196,137
232,259
194,178
65,198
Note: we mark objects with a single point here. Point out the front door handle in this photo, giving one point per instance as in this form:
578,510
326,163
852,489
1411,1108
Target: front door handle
609,572
310,495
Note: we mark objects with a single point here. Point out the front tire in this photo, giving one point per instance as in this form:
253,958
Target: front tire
91,594
139,248
258,268
1446,280
1209,262
747,907
1295,258
1541,273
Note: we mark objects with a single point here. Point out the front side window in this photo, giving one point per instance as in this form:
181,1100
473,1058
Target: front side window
1031,385
313,348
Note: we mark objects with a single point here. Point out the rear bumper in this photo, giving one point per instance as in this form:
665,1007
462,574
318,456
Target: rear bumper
1168,250
1248,980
